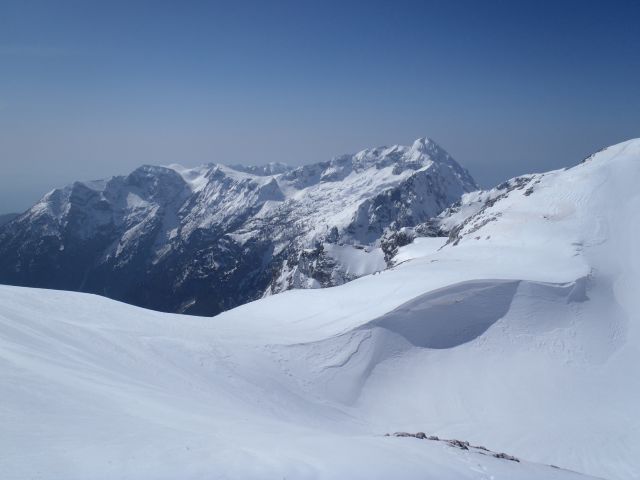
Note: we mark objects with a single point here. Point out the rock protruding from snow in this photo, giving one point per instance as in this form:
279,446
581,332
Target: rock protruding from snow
461,444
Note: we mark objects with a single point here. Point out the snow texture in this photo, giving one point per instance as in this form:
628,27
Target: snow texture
519,332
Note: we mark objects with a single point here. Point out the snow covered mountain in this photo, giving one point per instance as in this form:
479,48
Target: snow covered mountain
520,332
206,239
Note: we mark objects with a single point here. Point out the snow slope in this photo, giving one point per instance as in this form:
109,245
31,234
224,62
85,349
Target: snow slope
520,334
92,388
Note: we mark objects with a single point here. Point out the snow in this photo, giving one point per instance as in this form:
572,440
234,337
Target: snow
419,248
357,261
93,388
195,177
520,334
197,228
134,201
315,197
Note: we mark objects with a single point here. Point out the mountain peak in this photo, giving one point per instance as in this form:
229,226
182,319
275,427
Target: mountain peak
182,230
428,147
423,144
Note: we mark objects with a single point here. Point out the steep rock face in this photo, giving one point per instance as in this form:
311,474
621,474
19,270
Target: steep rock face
205,239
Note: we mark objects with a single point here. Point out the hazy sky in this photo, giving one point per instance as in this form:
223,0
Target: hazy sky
91,89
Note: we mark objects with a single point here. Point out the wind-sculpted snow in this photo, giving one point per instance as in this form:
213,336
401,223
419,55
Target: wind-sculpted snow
205,239
97,389
522,332
457,314
518,333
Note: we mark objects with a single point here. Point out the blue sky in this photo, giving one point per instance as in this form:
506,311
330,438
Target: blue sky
91,89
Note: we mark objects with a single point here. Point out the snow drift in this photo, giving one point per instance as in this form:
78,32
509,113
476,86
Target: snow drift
521,334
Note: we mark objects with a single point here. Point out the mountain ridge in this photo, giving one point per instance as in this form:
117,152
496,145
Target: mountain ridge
518,331
201,240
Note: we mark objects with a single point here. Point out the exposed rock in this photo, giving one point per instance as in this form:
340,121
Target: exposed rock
506,457
458,444
462,445
206,239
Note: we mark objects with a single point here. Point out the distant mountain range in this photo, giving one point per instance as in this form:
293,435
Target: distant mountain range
203,240
507,348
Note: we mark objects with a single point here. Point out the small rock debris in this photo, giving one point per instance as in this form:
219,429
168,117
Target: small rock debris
462,445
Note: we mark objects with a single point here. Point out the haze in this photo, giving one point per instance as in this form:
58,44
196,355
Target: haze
90,90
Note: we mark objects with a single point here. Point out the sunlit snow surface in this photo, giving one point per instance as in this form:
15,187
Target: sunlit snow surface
523,338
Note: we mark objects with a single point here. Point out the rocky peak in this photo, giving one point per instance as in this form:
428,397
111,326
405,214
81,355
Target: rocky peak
204,239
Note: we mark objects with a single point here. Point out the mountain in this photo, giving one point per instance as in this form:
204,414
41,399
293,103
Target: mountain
7,217
518,332
203,240
519,326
